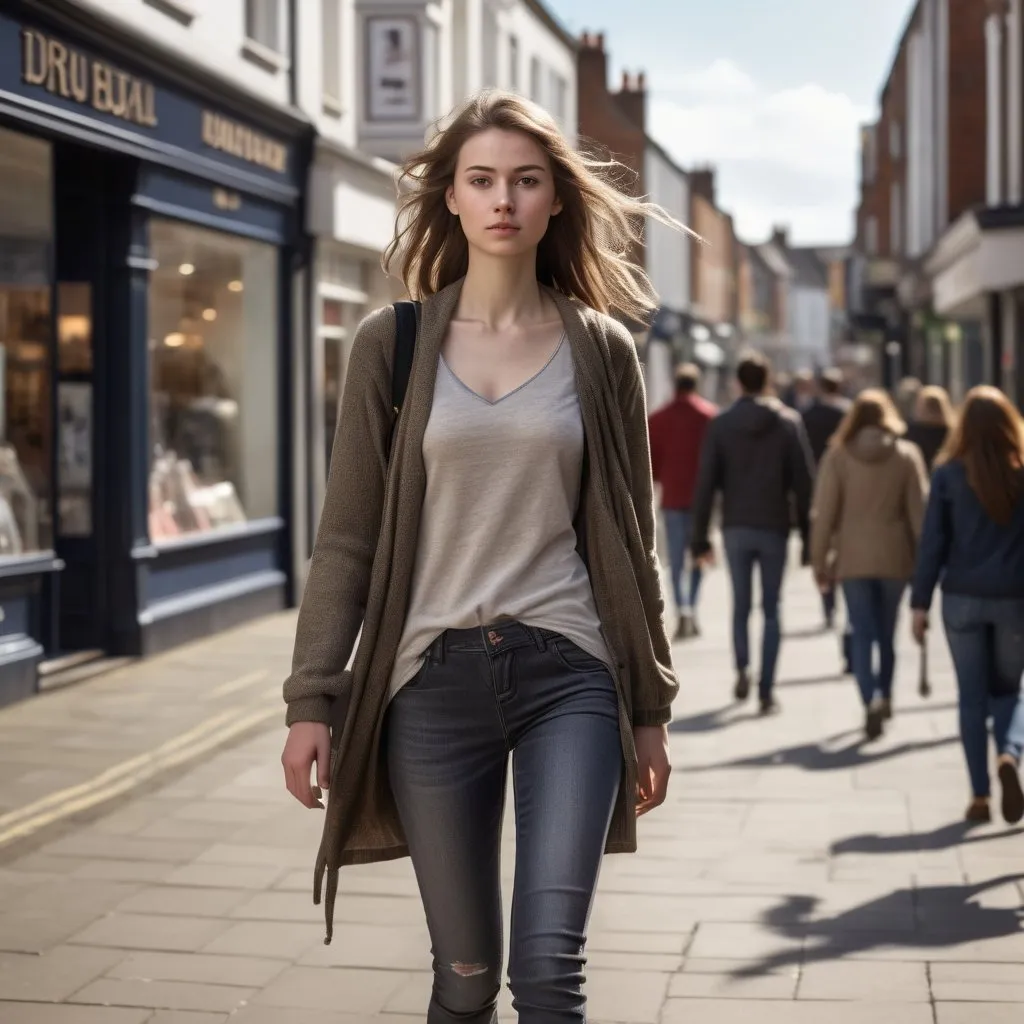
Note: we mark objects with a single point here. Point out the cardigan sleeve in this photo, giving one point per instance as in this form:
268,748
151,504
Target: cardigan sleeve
652,696
338,582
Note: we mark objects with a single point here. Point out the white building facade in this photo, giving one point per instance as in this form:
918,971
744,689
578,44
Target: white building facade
667,256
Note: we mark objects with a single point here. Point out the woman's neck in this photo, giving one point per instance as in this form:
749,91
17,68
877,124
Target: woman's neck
502,293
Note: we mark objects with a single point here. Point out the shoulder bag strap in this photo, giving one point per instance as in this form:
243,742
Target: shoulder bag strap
406,318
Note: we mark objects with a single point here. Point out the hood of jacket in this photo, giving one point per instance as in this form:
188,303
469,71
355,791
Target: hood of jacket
872,444
757,416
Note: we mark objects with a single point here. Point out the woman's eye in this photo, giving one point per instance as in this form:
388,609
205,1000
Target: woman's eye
477,181
528,181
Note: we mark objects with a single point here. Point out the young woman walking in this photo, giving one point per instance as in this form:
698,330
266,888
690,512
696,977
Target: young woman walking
500,562
866,520
973,540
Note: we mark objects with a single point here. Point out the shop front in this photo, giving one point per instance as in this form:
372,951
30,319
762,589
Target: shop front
150,238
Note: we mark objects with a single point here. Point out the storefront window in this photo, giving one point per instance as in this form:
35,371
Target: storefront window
213,357
26,434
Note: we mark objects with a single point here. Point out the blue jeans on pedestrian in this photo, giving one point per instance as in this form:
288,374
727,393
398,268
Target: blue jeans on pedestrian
873,606
481,695
746,547
986,640
679,528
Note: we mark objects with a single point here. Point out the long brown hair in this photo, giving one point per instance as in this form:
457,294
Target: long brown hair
587,252
988,439
871,408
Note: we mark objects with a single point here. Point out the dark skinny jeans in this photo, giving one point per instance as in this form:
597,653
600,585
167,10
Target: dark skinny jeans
481,695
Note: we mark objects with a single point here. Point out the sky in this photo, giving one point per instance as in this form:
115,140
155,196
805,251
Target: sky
769,92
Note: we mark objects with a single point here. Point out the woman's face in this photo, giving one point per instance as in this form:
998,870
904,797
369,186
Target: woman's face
503,193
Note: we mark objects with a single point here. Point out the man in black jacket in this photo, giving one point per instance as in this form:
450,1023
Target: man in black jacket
756,456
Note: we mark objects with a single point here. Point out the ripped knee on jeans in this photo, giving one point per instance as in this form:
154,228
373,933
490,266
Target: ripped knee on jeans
468,970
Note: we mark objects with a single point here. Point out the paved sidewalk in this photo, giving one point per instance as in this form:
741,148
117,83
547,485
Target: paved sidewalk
793,876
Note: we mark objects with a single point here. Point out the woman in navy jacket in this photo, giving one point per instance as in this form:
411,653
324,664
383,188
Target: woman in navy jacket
973,539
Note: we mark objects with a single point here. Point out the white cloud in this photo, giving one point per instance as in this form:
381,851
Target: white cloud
787,157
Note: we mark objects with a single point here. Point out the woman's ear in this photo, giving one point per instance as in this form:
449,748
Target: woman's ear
556,206
449,198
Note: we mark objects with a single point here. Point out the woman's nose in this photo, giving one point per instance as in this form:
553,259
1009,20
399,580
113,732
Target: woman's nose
503,203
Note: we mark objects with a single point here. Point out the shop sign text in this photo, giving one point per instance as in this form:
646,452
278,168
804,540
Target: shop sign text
229,136
64,71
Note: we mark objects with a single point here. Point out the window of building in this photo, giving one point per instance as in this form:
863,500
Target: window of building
513,63
331,57
535,85
896,218
871,235
213,380
895,139
263,23
869,167
559,89
26,409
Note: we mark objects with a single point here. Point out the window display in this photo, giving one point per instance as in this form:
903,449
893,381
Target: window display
213,371
26,435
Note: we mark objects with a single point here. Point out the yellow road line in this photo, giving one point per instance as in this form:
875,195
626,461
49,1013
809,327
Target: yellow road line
122,777
241,683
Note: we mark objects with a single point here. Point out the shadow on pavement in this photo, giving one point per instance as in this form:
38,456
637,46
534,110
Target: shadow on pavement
807,632
816,757
709,721
956,834
836,677
950,919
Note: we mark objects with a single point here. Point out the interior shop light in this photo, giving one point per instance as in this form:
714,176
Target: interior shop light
209,315
235,286
175,339
186,269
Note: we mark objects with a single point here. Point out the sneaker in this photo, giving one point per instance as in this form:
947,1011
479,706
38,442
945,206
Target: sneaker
886,703
742,688
978,811
686,627
873,719
1013,795
769,706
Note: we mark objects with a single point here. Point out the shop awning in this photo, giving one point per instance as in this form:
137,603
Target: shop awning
980,253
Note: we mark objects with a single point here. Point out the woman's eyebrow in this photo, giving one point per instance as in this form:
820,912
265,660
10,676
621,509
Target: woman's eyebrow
515,170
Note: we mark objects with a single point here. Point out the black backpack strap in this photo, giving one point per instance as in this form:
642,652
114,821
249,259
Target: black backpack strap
406,318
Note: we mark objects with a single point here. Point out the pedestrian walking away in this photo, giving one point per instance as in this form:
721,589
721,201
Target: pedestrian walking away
973,540
677,434
757,457
485,572
865,523
821,421
932,422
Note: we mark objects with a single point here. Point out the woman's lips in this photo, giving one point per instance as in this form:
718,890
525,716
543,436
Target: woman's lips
504,229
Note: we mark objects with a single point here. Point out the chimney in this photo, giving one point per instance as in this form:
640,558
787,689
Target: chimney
780,236
632,99
592,66
702,183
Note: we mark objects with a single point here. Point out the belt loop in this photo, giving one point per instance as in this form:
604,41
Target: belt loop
538,637
442,644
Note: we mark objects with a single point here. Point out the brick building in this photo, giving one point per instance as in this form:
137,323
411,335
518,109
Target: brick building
923,163
977,266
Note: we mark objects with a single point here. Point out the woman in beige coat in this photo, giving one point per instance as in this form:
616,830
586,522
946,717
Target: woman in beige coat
866,521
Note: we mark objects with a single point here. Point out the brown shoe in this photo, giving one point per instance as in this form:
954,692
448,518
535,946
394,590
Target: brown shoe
1013,795
886,706
978,811
873,720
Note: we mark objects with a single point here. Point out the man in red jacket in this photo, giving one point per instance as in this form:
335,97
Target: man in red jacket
677,433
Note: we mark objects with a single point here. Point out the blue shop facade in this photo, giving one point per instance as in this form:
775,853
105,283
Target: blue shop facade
150,248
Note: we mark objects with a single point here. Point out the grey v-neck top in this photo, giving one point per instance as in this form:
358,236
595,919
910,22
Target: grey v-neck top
496,537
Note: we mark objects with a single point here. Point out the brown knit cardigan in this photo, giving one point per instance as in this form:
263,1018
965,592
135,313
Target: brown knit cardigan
365,550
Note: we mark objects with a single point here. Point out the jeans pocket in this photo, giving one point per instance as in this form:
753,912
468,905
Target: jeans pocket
574,658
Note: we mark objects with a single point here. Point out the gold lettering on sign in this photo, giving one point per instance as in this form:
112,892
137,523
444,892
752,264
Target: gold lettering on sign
228,136
225,200
64,71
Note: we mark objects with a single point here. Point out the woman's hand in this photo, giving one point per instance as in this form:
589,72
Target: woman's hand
307,742
919,625
653,766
